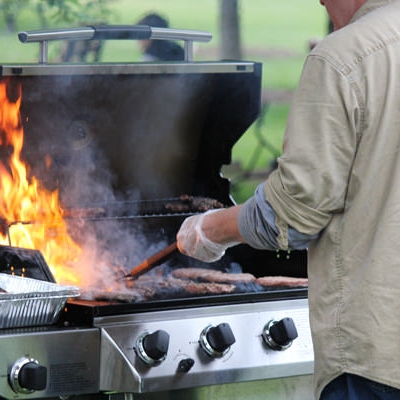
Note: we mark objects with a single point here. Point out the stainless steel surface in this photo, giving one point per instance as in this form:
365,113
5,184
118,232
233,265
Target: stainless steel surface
71,357
241,67
43,52
188,51
89,33
43,38
84,33
30,302
180,34
248,359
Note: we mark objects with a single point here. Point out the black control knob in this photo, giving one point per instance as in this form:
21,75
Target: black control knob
27,376
185,365
152,348
279,335
217,340
33,376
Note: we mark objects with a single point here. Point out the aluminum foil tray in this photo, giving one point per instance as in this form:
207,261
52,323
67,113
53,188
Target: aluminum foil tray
31,302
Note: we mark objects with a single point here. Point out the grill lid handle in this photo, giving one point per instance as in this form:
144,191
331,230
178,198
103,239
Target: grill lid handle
118,32
112,32
101,32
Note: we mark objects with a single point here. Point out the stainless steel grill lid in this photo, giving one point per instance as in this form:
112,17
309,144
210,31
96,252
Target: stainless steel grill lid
150,131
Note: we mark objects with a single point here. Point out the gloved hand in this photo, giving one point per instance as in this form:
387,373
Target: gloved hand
193,242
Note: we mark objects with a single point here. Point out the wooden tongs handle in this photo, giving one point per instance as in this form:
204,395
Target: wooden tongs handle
152,261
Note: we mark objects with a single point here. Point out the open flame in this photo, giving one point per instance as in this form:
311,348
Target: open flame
31,216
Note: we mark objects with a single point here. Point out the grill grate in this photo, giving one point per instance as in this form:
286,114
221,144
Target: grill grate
182,205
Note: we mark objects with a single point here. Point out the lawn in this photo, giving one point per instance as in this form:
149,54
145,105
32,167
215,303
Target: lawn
274,32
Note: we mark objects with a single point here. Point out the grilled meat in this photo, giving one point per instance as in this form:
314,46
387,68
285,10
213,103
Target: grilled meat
212,275
161,284
188,203
266,281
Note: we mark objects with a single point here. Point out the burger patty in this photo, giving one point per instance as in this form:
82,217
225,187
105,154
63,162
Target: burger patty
212,275
282,281
162,284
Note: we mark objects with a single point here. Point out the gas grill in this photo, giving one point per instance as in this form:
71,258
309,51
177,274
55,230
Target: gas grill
134,150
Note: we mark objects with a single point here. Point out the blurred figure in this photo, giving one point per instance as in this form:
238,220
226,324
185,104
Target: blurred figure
82,50
159,50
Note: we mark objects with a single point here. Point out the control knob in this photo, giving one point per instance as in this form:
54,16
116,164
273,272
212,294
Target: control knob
185,365
279,335
152,348
27,375
217,340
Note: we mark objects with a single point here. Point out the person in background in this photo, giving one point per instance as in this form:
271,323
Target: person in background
336,191
159,50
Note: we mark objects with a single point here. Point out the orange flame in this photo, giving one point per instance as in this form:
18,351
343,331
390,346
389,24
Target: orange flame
32,213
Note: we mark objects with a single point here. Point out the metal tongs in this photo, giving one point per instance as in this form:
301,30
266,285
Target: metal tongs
152,261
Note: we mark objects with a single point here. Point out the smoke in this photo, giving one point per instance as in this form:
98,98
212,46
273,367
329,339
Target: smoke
73,148
107,143
104,221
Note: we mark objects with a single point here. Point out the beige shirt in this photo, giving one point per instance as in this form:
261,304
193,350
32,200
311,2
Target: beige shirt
340,173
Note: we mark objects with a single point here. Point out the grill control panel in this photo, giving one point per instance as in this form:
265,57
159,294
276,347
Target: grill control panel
205,346
43,362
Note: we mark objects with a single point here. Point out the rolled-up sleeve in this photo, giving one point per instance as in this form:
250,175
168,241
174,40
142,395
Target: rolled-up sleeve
256,223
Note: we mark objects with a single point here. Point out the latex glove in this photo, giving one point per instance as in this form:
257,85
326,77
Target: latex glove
193,242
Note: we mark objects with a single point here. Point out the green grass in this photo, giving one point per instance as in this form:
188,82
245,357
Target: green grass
255,151
274,32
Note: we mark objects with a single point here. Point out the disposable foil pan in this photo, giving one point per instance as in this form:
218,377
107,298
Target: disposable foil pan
31,302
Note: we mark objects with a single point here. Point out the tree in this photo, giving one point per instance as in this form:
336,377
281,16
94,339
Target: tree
76,12
10,10
230,30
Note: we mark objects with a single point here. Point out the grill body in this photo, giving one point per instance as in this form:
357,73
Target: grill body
133,137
